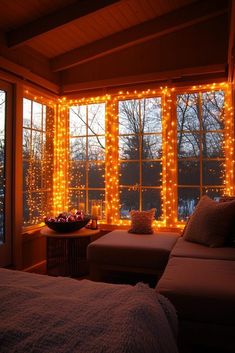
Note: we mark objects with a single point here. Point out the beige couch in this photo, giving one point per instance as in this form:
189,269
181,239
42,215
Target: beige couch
200,282
197,279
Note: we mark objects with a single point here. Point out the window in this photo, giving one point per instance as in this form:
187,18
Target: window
87,158
159,150
140,154
201,158
37,161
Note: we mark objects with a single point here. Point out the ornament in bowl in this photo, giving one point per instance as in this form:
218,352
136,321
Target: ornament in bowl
67,221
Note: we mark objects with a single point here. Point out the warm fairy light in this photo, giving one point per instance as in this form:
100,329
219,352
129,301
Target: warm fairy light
60,161
169,217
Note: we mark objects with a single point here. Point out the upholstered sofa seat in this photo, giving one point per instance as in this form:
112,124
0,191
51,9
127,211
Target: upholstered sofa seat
123,251
202,290
184,248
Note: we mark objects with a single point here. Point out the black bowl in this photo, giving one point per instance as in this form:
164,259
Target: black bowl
66,227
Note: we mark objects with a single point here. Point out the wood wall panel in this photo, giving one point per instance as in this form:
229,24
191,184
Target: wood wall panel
196,46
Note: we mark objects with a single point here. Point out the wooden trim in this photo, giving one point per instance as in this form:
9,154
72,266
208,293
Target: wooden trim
17,177
24,74
6,246
72,12
231,47
158,27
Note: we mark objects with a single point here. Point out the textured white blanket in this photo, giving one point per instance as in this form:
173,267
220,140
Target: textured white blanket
57,315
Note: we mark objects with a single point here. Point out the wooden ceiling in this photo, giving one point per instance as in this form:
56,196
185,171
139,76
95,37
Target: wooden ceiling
64,34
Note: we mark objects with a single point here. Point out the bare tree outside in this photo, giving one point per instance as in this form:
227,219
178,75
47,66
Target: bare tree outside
140,153
87,156
200,125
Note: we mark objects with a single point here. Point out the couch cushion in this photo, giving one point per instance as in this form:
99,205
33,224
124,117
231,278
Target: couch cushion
201,290
133,250
211,222
185,248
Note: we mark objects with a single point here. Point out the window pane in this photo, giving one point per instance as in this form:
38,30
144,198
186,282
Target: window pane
36,145
34,207
37,116
188,145
151,173
188,173
96,175
25,175
129,173
77,121
35,171
187,201
96,148
129,147
152,199
152,147
97,197
129,200
44,115
77,200
129,117
212,110
213,193
27,112
212,145
77,174
188,112
151,115
78,149
26,143
213,172
96,119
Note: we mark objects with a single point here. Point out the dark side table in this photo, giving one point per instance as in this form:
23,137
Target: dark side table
66,252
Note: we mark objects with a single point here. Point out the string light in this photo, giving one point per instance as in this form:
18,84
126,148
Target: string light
169,217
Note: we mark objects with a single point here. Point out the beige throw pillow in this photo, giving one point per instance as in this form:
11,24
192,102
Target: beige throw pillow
141,221
211,222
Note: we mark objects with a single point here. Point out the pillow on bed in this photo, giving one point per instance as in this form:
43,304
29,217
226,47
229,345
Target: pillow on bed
211,222
141,221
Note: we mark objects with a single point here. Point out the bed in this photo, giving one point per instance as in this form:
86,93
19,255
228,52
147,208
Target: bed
39,313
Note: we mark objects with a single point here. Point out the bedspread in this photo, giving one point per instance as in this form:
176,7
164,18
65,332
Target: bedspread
41,314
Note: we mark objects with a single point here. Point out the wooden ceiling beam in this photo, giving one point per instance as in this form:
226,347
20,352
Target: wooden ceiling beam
174,21
51,21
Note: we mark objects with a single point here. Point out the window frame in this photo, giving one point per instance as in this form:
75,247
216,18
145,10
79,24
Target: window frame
7,245
47,134
169,150
87,162
140,161
200,90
